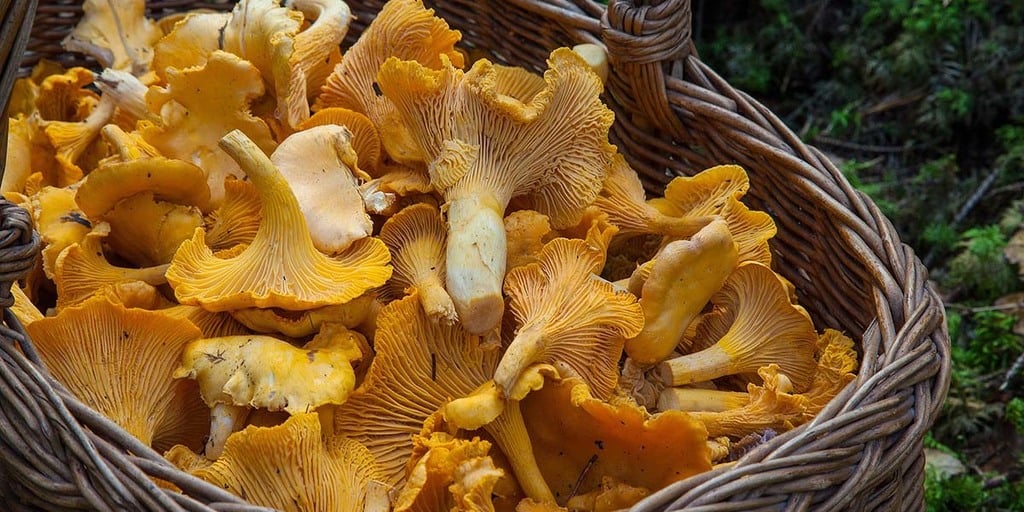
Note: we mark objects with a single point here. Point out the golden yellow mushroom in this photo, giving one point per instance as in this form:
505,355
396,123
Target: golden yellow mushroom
416,238
117,34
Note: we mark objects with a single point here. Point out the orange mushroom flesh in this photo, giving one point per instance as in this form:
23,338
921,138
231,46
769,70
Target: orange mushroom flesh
292,467
448,473
567,318
416,238
119,361
281,267
579,440
766,329
684,276
554,148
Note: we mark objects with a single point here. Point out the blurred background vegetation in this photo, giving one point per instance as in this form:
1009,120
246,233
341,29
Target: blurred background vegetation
921,103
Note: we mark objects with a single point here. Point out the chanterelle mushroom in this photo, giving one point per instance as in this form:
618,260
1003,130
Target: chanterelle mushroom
416,238
291,467
567,318
766,328
119,361
280,267
555,148
117,34
238,372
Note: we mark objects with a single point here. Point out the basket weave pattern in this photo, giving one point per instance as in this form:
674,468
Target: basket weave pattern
674,116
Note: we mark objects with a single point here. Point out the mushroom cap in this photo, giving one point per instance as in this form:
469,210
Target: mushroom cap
23,308
837,359
280,267
145,231
292,468
82,270
63,97
402,28
448,473
237,219
59,221
316,53
120,362
319,165
416,237
526,232
579,439
612,495
555,147
568,318
770,406
76,143
267,373
297,324
365,139
419,366
684,276
190,43
170,180
198,106
116,33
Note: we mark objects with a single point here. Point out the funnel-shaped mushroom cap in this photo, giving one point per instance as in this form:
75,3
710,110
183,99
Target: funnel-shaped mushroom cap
190,43
292,468
448,473
416,238
281,267
267,373
684,276
146,231
136,171
119,361
622,197
200,105
766,328
769,407
319,165
237,219
82,270
116,33
365,139
566,318
403,29
554,148
59,221
420,365
837,359
579,440
526,232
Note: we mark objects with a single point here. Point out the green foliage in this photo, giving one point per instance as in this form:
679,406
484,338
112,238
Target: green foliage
957,493
1014,414
980,269
989,345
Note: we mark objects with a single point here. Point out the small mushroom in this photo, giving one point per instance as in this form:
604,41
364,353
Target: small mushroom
766,328
59,221
416,238
448,473
770,405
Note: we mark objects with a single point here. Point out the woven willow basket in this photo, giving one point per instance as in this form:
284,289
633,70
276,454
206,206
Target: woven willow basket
674,116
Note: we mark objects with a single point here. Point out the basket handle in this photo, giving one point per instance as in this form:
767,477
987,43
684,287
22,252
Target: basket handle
648,39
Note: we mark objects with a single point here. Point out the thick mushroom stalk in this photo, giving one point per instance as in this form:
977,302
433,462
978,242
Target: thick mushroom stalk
475,259
553,149
766,328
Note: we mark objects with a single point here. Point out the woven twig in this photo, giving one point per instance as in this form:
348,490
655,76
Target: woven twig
674,116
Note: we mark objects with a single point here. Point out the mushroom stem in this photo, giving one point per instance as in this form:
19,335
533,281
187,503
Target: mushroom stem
692,399
224,420
524,350
476,260
436,301
509,432
710,363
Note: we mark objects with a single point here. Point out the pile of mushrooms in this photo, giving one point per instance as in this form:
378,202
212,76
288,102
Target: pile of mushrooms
389,276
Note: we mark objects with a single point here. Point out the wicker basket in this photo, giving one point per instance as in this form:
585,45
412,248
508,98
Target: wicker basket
673,115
